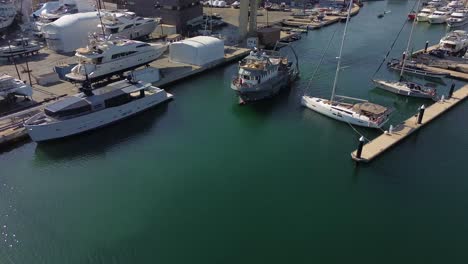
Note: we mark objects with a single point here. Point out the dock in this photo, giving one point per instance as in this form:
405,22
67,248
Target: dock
386,141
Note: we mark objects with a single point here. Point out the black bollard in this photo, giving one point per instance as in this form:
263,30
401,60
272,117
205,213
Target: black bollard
425,47
451,91
421,114
361,145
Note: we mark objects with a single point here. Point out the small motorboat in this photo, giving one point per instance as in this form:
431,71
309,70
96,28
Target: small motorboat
20,47
412,16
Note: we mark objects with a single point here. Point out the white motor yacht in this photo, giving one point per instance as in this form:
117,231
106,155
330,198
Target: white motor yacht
423,15
454,41
406,88
7,14
456,4
123,24
10,86
94,109
436,3
457,19
106,58
438,17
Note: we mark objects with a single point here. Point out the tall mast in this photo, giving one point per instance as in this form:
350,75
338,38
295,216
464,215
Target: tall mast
408,45
341,50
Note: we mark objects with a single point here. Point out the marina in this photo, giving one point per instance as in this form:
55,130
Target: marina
266,181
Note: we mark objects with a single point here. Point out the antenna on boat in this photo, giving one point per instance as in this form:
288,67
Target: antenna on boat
27,64
341,51
407,46
98,7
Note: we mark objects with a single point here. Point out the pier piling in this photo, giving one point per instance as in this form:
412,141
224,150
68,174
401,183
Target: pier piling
426,46
421,114
361,145
452,88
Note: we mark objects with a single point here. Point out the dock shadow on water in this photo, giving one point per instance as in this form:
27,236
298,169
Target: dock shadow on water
99,141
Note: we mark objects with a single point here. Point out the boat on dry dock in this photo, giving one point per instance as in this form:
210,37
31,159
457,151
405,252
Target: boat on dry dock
127,25
19,47
93,109
106,58
10,86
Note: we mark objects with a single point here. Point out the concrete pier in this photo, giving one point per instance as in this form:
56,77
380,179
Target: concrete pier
384,142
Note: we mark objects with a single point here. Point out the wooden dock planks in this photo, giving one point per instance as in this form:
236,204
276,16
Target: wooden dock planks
385,141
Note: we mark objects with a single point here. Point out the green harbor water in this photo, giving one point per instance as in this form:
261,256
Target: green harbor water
204,180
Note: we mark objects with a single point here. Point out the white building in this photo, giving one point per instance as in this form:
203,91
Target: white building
199,51
70,32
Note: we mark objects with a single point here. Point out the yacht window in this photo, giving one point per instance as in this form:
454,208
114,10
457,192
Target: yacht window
140,18
118,100
114,30
123,54
128,26
138,24
150,21
143,45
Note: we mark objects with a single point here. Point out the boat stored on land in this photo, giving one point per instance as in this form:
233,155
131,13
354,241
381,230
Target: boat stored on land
262,75
127,25
7,14
20,47
94,109
106,58
10,86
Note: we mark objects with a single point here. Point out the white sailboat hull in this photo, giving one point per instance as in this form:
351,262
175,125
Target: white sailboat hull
346,115
80,124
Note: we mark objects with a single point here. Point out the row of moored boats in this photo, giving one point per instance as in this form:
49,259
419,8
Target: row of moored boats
453,13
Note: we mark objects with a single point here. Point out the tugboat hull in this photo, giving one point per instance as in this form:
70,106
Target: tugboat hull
263,91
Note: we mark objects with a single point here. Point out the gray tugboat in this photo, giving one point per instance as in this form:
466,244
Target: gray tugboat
263,74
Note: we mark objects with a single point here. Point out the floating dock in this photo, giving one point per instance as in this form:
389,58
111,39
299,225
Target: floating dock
384,142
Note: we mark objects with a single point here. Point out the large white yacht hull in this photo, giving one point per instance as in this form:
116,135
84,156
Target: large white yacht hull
142,30
346,115
117,66
80,124
458,23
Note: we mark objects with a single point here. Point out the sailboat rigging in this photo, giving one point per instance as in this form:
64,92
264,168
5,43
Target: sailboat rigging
362,113
403,87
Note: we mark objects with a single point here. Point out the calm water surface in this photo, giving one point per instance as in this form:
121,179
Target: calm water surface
203,180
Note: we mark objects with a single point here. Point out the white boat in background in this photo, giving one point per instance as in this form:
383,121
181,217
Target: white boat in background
7,14
362,113
423,15
10,86
93,109
127,25
436,3
106,58
456,4
438,17
457,19
454,41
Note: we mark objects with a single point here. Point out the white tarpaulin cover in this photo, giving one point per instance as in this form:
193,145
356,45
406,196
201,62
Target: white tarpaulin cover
197,51
70,32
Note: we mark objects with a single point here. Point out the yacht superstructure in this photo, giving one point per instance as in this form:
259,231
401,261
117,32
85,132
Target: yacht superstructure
124,24
454,41
438,17
94,109
105,58
458,19
262,75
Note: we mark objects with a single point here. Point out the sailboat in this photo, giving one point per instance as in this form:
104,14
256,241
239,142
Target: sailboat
360,113
404,87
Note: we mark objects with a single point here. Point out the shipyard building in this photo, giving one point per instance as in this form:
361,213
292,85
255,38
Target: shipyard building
172,12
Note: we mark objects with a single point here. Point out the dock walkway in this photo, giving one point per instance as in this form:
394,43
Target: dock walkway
384,142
